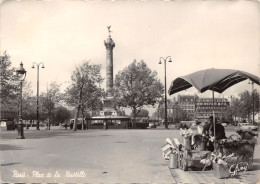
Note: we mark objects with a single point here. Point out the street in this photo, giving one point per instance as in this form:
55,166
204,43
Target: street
97,156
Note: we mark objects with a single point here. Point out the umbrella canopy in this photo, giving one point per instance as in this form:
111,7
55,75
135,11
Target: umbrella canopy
211,79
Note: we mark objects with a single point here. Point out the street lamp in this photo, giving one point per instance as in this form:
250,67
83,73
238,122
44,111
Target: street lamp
38,91
166,124
231,105
253,97
21,73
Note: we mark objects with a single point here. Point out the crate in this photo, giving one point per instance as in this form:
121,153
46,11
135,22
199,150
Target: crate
243,150
220,171
190,160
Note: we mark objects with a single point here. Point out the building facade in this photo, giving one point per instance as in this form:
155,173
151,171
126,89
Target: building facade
188,103
205,108
199,108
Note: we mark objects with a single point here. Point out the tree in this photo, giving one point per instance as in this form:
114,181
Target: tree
243,106
10,89
120,112
61,114
236,109
84,91
142,113
29,108
137,86
255,103
8,81
246,104
50,99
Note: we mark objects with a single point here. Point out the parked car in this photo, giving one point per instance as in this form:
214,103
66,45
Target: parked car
248,126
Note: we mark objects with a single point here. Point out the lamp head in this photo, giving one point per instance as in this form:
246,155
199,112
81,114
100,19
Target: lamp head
21,72
33,66
43,66
170,60
160,62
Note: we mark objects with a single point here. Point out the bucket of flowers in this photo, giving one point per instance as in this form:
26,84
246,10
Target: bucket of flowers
220,165
186,135
200,141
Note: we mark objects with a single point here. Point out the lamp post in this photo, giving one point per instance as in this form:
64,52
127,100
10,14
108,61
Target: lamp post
253,97
231,106
21,73
38,91
165,59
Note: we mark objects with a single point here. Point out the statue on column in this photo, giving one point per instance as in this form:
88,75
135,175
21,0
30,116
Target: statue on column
109,31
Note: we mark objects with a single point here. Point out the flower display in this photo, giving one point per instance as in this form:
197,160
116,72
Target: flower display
206,161
169,148
211,138
219,159
199,137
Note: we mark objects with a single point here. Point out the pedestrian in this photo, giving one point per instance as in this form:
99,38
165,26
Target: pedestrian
217,135
219,129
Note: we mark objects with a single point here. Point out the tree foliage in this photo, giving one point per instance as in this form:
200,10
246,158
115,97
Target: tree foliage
142,113
50,99
120,112
9,82
175,112
137,86
61,114
84,91
244,105
29,101
10,89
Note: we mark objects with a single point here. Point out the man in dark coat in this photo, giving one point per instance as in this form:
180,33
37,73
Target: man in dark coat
219,132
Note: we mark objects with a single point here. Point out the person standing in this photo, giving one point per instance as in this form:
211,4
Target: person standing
219,132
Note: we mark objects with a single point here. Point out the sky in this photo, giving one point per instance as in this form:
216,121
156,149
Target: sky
196,34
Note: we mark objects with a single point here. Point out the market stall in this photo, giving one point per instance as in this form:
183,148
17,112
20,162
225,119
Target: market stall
229,154
232,155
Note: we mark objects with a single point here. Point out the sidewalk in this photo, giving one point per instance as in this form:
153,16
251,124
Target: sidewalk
198,177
